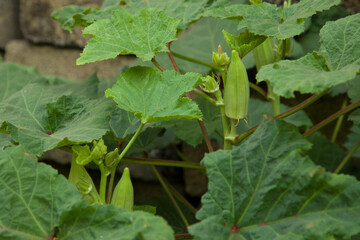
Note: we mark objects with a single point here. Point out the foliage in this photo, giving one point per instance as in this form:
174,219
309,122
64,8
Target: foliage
269,181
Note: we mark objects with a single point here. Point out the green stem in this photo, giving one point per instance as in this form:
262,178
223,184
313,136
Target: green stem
285,114
103,182
157,64
195,61
332,118
339,122
204,95
160,162
258,89
201,123
274,98
181,155
168,192
346,159
122,154
226,128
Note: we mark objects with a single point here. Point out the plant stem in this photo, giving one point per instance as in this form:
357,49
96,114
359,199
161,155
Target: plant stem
195,61
258,89
346,159
184,236
332,118
339,122
181,155
178,196
103,182
122,154
157,64
201,123
160,162
168,192
204,95
285,114
172,60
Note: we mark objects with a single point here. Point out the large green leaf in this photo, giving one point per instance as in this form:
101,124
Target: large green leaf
308,74
199,42
339,42
353,137
325,153
266,188
32,196
145,34
339,62
187,11
84,222
270,20
154,96
14,77
122,124
189,130
40,119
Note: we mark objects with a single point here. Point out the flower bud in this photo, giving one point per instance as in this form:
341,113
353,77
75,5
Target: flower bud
237,91
123,196
98,152
220,58
210,84
111,157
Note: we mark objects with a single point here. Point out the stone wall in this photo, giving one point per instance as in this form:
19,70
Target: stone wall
29,36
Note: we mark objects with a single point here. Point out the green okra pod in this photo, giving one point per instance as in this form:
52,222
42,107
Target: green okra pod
237,90
123,196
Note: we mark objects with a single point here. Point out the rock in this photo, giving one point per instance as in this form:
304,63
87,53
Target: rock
61,61
38,27
9,21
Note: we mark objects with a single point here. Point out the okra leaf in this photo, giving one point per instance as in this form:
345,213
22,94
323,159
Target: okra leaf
107,222
33,196
325,153
243,43
40,119
267,188
123,124
338,62
70,16
339,42
154,96
272,21
145,34
184,10
189,130
199,42
14,77
353,136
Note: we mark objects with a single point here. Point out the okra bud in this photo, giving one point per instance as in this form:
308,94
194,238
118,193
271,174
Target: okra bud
220,58
98,152
111,157
210,84
123,196
237,91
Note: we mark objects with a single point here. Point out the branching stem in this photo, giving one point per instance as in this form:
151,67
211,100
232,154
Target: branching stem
347,157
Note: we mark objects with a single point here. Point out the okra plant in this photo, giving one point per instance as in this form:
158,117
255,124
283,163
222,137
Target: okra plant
277,176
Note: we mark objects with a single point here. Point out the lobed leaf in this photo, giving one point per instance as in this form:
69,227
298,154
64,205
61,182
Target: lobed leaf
272,21
158,94
32,195
337,63
145,34
267,188
39,119
107,222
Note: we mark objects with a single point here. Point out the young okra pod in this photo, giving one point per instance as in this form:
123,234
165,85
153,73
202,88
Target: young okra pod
237,91
123,196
